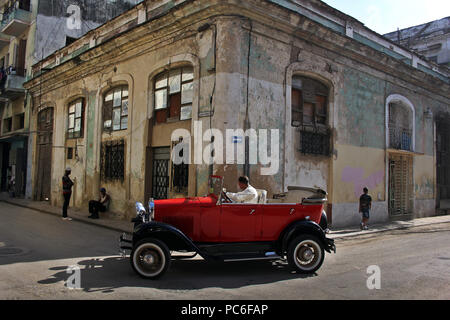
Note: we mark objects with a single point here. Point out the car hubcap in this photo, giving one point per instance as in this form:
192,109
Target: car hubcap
307,254
149,259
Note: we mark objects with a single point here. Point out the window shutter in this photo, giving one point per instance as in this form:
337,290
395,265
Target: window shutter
175,105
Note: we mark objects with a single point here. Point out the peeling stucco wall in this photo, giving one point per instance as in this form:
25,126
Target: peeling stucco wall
245,66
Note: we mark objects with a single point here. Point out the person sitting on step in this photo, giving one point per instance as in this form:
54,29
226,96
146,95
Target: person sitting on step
101,205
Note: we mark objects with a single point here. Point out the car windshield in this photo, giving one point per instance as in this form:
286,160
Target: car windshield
215,185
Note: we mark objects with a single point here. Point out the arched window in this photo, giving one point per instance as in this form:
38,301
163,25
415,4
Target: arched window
310,115
75,126
115,109
400,127
173,95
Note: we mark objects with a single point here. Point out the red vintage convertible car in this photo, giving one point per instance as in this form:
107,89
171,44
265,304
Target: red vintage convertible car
216,228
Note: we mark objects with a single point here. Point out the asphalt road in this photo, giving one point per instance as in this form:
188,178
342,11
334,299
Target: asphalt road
36,249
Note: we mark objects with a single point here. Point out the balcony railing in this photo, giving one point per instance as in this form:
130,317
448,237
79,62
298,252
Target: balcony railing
400,138
11,84
15,19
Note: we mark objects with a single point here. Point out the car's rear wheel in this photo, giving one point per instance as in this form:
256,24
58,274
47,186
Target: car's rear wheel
150,258
305,254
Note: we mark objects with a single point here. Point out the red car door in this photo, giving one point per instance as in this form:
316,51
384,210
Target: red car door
240,222
209,230
276,217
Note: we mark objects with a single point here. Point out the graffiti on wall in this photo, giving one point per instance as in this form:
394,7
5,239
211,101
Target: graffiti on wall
425,188
356,176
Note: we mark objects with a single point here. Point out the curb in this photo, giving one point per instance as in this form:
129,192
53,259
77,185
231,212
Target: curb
339,237
370,232
90,222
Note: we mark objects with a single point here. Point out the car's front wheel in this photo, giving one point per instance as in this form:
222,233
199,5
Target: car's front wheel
305,254
150,258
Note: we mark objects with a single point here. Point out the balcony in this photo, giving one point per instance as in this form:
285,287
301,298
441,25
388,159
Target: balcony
15,21
12,87
400,138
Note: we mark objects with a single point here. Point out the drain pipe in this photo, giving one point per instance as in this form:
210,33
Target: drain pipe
247,120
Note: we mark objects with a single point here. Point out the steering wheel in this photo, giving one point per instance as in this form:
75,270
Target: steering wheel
226,198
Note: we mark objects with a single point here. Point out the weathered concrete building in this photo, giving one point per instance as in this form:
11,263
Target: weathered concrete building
352,108
29,31
430,40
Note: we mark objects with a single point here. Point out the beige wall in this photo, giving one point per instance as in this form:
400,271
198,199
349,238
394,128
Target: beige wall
356,168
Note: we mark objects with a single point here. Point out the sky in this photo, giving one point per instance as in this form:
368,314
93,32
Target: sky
384,16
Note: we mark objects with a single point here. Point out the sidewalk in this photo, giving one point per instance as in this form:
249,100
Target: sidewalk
75,214
388,226
108,222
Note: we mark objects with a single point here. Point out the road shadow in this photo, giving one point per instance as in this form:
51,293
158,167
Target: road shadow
108,274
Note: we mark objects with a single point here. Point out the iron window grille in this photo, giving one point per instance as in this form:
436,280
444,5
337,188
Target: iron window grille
160,174
113,160
315,141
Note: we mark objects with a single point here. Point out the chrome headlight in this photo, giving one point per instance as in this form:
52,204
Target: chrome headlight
140,209
151,208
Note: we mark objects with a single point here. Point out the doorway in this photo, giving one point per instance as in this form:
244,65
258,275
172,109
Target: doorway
443,164
160,174
44,153
401,192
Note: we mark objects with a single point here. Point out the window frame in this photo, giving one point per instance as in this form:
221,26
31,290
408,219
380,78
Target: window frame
401,135
315,106
318,129
162,114
110,104
81,118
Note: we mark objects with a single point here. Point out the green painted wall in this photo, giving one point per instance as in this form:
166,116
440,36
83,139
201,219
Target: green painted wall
361,118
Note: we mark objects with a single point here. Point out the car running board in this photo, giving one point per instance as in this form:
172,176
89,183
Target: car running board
250,257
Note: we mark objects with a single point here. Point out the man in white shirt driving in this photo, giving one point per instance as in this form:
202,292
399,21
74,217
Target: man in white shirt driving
247,195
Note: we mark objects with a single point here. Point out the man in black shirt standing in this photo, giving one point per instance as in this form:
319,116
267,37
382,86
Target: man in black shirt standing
365,204
67,192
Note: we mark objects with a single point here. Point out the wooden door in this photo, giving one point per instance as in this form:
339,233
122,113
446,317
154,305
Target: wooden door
21,53
44,147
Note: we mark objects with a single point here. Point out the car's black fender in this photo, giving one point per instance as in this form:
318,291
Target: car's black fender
304,227
172,237
323,221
